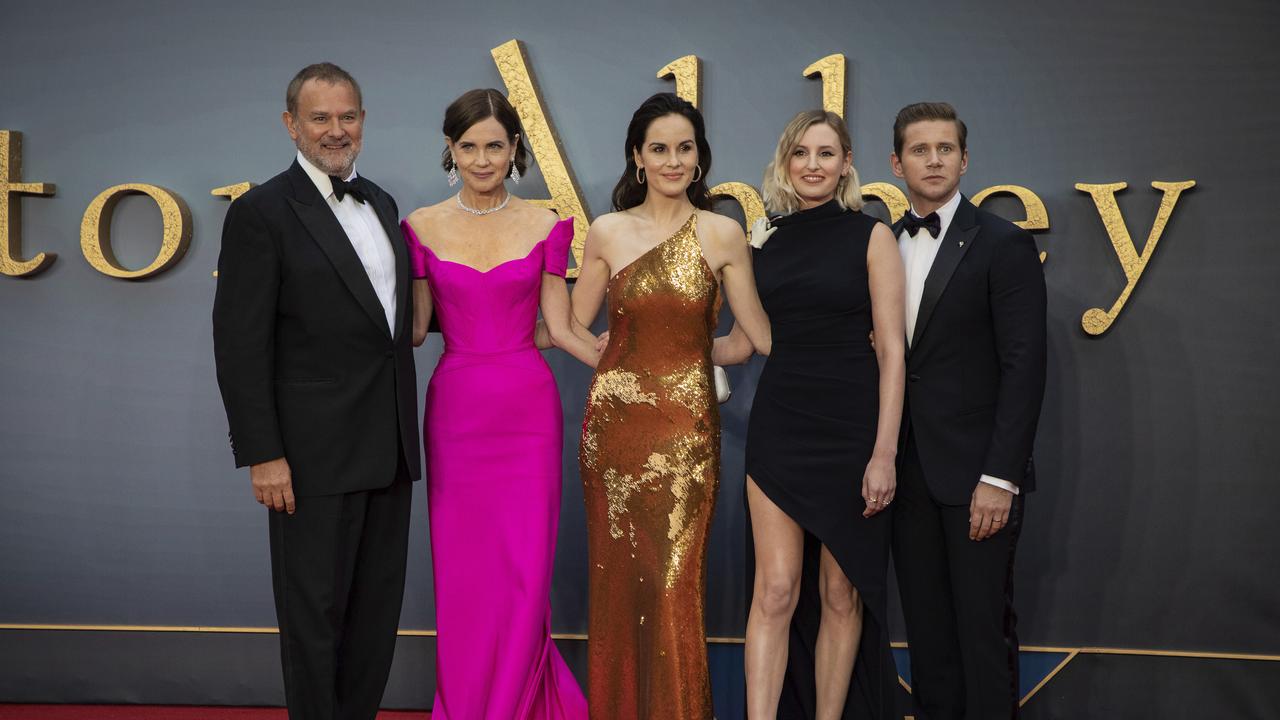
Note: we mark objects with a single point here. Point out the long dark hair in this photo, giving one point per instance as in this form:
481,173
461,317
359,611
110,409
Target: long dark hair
481,104
630,192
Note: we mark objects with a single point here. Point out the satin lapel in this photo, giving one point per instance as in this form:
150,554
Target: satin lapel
391,225
957,241
318,218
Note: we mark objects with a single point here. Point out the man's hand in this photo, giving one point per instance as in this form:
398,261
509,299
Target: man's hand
273,484
988,511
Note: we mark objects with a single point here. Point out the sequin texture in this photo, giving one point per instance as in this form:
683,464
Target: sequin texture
650,464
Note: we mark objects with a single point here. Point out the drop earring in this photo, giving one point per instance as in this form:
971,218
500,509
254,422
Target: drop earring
515,174
453,175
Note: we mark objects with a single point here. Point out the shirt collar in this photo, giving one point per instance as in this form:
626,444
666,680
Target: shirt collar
318,176
945,214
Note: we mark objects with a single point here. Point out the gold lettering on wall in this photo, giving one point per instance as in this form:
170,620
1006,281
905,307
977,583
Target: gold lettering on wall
95,231
566,198
893,198
687,72
526,98
11,262
831,69
747,197
232,192
1037,215
1096,321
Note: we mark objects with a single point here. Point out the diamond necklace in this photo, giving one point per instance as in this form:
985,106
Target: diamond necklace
474,211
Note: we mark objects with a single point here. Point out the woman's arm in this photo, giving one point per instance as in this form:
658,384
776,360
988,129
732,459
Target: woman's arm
739,283
422,309
542,336
887,281
562,329
593,276
732,349
422,306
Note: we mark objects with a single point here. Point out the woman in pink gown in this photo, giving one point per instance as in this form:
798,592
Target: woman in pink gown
485,263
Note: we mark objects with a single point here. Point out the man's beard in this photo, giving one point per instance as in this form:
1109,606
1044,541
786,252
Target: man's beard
325,162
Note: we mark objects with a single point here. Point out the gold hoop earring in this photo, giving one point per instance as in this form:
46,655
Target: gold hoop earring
640,175
697,173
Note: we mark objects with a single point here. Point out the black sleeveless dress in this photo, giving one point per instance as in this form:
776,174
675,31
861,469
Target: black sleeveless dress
811,433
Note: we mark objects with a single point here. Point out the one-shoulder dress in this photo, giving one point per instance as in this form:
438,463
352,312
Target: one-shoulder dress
650,466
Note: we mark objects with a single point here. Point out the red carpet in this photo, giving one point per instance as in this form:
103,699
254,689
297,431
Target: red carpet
163,712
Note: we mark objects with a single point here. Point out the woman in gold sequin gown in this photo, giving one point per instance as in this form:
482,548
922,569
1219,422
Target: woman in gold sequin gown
650,454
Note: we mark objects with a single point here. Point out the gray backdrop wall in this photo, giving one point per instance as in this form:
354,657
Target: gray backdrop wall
1154,530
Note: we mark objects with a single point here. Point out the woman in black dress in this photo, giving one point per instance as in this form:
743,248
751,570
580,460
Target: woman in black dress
822,437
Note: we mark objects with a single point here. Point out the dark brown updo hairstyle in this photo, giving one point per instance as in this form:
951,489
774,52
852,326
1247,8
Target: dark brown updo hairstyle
630,192
476,105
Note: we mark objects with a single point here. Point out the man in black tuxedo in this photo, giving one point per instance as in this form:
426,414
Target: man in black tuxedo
975,381
312,324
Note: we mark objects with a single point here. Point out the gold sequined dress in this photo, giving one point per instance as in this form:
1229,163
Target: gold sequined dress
650,465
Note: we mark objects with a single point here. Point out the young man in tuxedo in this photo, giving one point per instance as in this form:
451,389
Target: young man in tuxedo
975,381
312,330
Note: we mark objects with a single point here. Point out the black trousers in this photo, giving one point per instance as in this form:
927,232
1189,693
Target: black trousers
957,600
338,567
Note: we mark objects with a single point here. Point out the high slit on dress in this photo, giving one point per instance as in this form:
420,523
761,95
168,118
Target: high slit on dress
811,433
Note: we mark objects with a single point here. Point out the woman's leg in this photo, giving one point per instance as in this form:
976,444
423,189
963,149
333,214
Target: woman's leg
838,637
779,549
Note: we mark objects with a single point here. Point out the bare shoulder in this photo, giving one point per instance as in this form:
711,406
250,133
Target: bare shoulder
882,249
718,230
534,216
603,233
427,214
427,221
609,225
882,234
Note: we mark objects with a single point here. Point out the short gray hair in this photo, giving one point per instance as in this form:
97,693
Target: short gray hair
324,71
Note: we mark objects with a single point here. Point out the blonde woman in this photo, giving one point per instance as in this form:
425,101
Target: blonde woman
823,435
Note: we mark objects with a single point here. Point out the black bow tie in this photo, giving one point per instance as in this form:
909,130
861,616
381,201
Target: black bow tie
355,188
930,222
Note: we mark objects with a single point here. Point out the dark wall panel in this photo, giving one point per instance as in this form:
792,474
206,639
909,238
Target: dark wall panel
1154,524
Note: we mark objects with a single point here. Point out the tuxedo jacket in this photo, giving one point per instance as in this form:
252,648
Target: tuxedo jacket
307,366
976,361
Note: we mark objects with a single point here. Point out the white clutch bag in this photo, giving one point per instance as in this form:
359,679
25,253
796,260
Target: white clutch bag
723,391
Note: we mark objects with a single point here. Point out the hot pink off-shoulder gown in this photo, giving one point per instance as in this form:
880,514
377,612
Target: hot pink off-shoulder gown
493,439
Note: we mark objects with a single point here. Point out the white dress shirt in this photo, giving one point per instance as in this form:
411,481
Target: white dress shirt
367,237
918,254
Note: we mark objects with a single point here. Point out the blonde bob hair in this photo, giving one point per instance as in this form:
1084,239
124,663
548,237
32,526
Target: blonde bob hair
779,194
